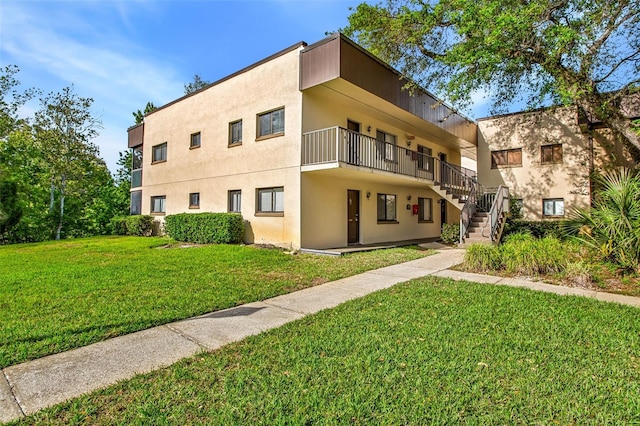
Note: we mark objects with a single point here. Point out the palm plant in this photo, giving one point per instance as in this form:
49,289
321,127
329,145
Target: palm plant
612,225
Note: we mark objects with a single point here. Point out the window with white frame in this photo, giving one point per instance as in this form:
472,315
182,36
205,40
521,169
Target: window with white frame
270,200
387,208
553,207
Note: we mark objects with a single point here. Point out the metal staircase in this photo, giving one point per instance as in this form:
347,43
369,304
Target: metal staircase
483,210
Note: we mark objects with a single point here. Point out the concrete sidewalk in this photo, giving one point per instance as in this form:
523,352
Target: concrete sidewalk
31,386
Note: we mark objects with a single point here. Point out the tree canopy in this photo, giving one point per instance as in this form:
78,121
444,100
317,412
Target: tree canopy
197,84
580,52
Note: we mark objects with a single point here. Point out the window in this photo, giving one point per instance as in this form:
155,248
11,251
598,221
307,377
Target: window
194,200
195,141
425,160
159,153
158,204
386,145
136,167
551,154
386,208
271,123
270,200
235,133
506,157
235,198
553,207
425,210
136,202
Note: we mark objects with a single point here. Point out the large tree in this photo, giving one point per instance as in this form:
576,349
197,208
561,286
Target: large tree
197,84
65,129
580,52
139,114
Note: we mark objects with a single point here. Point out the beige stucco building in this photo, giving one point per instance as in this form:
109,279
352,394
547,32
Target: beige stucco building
318,146
546,157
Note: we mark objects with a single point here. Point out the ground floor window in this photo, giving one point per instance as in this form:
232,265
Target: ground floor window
270,200
235,198
386,208
425,210
553,207
136,202
158,204
194,200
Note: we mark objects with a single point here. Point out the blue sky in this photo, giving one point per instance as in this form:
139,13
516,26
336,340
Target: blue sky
123,53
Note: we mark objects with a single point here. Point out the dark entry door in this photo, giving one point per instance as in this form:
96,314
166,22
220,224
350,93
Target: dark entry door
353,216
444,176
443,212
353,142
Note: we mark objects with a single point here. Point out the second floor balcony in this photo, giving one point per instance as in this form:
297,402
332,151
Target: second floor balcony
337,147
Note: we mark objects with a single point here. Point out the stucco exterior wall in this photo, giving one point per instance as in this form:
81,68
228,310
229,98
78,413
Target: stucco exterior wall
534,181
215,168
324,211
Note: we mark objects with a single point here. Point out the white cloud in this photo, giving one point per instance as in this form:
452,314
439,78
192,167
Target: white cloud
57,47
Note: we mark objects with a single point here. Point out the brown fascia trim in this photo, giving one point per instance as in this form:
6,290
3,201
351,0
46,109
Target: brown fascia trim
134,126
346,39
235,74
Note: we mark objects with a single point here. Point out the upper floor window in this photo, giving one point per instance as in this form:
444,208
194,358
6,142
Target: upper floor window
270,200
553,207
194,200
425,160
235,199
386,208
386,145
425,210
159,153
136,167
235,133
195,140
271,123
506,157
158,204
550,154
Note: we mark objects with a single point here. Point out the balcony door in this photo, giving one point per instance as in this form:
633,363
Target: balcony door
353,146
353,216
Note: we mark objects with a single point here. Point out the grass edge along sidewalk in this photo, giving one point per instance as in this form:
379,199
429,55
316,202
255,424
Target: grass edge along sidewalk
56,296
428,351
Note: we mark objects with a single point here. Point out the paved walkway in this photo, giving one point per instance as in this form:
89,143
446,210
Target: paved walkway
31,386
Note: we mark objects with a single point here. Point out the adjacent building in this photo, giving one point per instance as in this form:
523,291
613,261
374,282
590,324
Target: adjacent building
317,146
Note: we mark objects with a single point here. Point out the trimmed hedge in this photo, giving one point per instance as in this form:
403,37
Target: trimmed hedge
450,233
205,228
139,225
537,228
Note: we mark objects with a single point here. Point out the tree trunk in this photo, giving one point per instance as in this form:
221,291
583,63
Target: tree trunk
59,228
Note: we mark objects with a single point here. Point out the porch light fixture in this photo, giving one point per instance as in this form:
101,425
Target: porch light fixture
368,129
408,143
408,197
368,194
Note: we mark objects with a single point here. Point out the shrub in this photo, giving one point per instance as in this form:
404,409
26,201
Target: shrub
482,258
537,228
612,226
450,233
530,256
139,225
205,228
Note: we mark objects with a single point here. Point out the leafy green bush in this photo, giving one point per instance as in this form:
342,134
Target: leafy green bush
205,228
138,225
483,258
523,254
450,233
537,228
612,226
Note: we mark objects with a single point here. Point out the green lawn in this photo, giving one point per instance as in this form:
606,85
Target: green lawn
56,296
431,351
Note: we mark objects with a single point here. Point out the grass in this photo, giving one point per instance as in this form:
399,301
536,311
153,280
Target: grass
56,296
431,351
